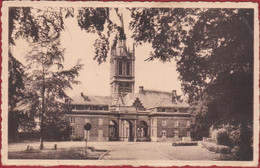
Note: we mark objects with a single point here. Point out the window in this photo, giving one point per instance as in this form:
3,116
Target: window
120,87
164,122
164,133
152,132
127,87
80,107
120,68
188,123
176,133
124,68
128,68
94,108
72,131
100,121
176,123
106,108
72,119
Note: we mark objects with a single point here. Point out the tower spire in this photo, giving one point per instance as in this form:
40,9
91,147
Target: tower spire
122,33
122,22
122,78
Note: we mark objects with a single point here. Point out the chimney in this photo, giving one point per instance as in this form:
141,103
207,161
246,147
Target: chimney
141,89
86,98
174,96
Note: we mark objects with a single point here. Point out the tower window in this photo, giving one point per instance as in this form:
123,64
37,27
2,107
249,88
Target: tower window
127,87
120,68
128,68
120,87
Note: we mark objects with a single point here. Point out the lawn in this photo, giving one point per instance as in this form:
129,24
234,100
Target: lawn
62,153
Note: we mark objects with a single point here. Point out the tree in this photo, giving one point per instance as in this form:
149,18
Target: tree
214,58
16,82
48,79
95,20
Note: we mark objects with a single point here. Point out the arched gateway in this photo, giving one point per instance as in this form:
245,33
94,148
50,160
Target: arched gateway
149,115
113,130
127,131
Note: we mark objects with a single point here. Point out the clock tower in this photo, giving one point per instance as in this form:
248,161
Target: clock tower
122,70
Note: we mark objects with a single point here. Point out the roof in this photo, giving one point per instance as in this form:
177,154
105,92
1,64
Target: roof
149,99
92,100
168,103
152,98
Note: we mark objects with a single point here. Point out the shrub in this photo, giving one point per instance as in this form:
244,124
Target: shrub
216,148
76,138
221,137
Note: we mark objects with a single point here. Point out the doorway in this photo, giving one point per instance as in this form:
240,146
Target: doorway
127,131
113,131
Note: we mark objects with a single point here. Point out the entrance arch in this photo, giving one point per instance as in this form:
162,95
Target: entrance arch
142,129
113,131
127,131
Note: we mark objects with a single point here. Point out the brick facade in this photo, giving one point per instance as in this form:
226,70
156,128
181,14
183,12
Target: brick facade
126,115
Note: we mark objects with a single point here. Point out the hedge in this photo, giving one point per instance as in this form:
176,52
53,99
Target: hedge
184,143
216,148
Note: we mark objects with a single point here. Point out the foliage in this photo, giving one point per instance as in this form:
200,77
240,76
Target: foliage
45,89
214,59
163,28
97,20
216,148
17,78
238,136
221,137
201,120
16,82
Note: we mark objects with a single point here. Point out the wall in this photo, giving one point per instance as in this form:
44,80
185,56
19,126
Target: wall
171,127
99,130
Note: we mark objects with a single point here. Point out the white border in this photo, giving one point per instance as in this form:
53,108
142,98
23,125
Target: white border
4,107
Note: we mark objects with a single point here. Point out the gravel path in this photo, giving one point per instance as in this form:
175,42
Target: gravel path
188,152
132,150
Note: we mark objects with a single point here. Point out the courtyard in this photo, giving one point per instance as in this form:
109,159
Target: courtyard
131,150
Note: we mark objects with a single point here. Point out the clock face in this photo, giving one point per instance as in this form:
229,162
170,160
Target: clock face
124,57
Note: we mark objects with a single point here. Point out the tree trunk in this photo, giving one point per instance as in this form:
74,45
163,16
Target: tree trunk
43,107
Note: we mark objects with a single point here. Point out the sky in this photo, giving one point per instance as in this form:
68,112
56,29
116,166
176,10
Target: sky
95,78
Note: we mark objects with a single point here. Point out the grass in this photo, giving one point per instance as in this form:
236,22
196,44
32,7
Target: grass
62,153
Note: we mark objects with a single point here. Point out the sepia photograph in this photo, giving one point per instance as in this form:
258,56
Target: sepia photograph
130,83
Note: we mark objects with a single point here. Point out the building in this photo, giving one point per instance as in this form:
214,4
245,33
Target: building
128,116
